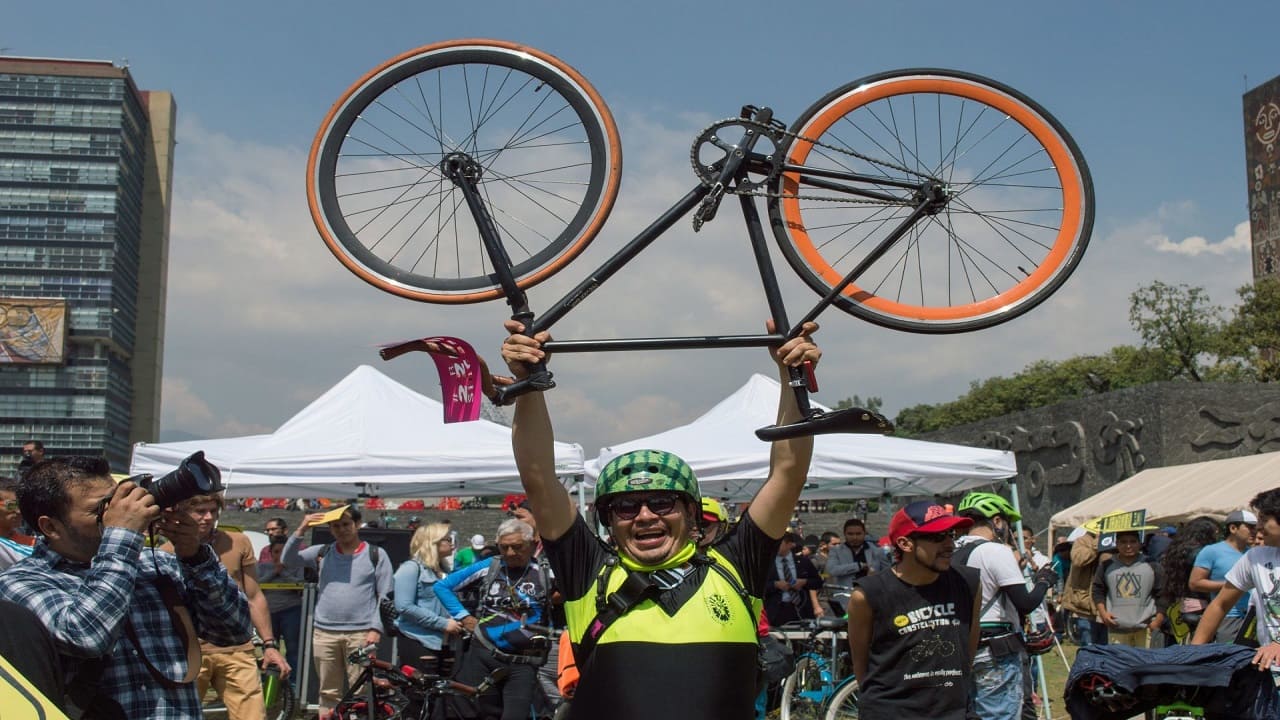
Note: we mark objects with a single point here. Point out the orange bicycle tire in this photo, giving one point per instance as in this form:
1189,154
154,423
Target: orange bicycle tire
792,220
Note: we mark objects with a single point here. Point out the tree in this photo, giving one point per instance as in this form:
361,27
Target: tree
874,404
1184,337
1179,321
1250,340
1041,383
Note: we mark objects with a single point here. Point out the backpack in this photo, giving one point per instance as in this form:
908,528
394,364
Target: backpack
495,567
387,611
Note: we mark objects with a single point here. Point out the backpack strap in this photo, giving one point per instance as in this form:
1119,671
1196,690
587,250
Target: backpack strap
635,589
373,553
961,555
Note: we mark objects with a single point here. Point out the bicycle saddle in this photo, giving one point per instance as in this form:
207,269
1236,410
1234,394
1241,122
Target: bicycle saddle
818,422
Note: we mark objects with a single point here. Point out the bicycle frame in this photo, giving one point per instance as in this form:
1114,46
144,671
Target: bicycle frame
465,173
826,656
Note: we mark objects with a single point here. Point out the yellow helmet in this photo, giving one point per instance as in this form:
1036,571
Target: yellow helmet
711,506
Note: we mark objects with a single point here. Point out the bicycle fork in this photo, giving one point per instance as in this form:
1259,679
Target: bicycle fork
465,172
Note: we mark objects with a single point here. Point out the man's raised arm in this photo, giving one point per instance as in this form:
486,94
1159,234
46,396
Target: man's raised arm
788,459
533,440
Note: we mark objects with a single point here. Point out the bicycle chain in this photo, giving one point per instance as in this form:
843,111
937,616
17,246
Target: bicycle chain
773,132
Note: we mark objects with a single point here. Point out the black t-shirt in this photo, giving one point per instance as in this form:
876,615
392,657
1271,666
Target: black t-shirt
692,661
919,658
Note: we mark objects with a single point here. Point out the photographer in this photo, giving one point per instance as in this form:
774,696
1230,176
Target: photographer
124,619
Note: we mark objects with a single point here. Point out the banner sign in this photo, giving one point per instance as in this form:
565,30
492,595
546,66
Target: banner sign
460,370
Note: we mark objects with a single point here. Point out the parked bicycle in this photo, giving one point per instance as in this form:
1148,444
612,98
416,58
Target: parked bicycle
385,692
930,201
822,671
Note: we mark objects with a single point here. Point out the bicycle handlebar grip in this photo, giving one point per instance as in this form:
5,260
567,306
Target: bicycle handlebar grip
464,689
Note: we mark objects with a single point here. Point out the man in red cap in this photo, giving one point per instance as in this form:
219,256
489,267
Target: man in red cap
913,631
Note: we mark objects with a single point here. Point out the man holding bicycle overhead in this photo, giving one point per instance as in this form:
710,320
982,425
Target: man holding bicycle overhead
913,629
659,629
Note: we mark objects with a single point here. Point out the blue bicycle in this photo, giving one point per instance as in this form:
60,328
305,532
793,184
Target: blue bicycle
823,685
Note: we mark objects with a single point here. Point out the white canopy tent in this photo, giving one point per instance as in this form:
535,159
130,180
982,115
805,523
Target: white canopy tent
1180,492
731,463
369,435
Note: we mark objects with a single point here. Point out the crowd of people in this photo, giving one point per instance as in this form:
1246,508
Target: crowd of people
652,603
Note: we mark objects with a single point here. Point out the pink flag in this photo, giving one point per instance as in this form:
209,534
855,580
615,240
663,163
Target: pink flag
460,373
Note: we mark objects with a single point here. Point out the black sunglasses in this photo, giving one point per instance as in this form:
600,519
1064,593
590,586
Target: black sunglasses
627,508
937,537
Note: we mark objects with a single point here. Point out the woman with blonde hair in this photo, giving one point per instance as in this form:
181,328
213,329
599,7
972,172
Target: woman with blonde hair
423,621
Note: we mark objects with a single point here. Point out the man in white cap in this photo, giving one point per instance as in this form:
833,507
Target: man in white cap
1212,563
468,555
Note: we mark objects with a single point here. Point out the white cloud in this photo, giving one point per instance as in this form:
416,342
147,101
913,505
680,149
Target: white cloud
1237,242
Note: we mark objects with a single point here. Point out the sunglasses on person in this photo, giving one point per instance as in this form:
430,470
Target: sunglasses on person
627,508
937,537
9,504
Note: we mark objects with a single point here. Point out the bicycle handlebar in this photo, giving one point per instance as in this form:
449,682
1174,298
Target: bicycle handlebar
539,379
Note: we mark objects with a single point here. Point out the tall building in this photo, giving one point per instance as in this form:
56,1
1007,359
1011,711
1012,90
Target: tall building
86,168
1261,154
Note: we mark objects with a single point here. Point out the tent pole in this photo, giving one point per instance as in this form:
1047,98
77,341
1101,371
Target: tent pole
1022,548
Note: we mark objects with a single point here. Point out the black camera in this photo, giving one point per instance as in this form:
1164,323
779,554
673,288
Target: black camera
193,476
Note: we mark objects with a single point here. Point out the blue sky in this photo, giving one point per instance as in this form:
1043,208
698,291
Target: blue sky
261,319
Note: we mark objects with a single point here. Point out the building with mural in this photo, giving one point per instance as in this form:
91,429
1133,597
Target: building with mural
86,167
1261,151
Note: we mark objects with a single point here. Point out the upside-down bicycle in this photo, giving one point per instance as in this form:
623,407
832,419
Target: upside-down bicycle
924,200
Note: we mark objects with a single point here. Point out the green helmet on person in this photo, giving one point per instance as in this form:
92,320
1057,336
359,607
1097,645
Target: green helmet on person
646,471
988,505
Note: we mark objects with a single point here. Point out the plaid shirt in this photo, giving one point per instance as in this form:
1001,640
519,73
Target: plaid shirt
84,608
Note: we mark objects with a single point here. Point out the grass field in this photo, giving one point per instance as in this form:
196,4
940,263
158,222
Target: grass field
1055,672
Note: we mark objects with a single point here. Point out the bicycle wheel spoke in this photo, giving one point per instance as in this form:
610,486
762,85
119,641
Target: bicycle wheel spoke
1010,197
518,125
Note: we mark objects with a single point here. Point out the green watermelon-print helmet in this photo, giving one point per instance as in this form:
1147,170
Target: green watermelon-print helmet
646,471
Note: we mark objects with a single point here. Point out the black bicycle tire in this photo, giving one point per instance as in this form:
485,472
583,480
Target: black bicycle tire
838,698
804,662
1075,244
599,196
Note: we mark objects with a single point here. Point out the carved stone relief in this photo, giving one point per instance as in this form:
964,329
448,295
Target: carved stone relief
1117,444
1055,453
1240,431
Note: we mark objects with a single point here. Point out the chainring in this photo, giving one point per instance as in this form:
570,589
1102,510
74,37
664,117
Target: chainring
720,139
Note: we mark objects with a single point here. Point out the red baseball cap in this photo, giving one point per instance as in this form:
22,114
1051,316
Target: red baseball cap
923,516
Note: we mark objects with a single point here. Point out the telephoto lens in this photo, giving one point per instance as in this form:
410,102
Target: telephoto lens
193,476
